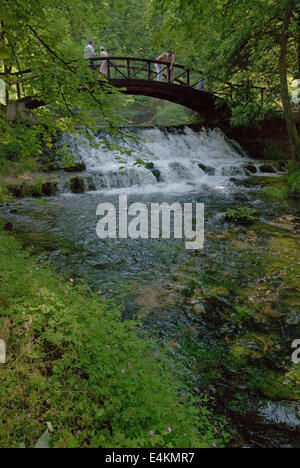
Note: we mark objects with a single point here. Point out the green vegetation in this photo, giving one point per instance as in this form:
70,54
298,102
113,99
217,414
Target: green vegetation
35,188
245,43
241,215
272,152
169,115
287,189
73,362
250,38
51,38
4,194
294,185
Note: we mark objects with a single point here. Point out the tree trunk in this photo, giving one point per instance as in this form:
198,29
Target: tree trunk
285,97
299,43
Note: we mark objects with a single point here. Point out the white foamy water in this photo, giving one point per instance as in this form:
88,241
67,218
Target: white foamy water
183,161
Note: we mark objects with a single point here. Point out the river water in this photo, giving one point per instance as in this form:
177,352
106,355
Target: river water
190,301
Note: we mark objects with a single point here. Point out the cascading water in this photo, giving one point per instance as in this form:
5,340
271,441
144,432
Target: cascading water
178,161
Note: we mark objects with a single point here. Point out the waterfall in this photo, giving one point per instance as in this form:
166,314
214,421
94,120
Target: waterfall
178,160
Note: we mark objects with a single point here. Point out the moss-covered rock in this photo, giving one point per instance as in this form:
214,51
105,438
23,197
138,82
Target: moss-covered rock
49,188
252,169
267,169
156,174
261,181
78,167
77,185
37,188
207,169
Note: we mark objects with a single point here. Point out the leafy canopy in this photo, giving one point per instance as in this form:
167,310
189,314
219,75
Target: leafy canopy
233,41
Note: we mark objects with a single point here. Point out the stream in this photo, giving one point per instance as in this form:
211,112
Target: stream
227,314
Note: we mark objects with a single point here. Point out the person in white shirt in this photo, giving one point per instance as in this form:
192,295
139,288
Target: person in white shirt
89,52
104,65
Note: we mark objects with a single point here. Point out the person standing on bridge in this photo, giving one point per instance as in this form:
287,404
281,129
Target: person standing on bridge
167,57
104,65
89,53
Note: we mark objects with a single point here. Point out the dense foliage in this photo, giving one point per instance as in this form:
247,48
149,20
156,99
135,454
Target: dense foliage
47,40
241,44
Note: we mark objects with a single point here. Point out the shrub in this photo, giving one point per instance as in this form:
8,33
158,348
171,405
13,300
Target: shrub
34,189
74,363
294,185
4,194
276,194
169,115
241,215
272,151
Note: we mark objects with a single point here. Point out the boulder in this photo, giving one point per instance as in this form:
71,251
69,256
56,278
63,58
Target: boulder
49,188
251,168
78,167
77,185
156,174
267,169
207,169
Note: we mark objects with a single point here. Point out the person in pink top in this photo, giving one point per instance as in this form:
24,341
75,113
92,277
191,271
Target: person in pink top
104,65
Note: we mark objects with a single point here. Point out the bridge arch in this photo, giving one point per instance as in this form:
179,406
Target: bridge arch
138,77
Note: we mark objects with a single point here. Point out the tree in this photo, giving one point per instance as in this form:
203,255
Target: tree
290,9
47,39
240,44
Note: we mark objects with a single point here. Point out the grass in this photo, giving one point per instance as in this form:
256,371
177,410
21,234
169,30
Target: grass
4,194
9,168
72,362
287,189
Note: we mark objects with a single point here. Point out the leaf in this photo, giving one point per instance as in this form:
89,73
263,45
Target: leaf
44,441
4,54
50,427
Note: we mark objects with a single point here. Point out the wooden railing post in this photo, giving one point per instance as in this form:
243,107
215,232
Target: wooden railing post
108,70
128,68
149,71
262,97
188,79
18,91
169,74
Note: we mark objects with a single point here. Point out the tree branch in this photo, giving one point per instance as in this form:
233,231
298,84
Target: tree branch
52,52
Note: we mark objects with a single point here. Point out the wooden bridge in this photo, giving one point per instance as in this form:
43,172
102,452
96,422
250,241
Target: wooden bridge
139,76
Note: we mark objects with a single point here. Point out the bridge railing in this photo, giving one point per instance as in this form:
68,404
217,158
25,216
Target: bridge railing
131,68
